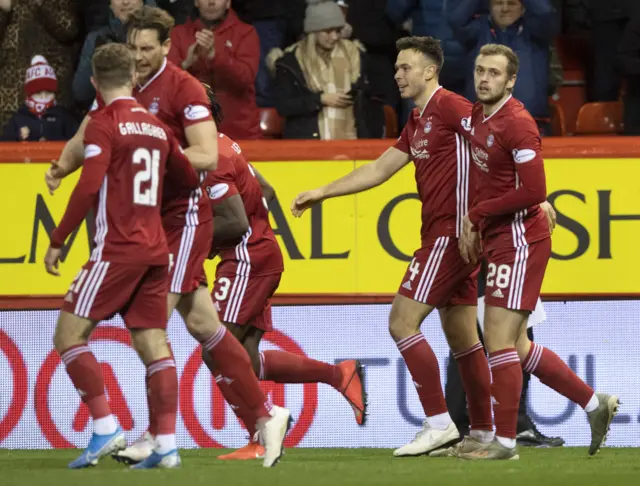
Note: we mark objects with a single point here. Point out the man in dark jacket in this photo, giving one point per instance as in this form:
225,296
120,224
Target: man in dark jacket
527,27
119,13
40,119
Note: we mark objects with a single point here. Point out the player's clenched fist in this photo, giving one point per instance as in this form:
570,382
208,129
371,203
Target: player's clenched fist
52,178
305,200
51,260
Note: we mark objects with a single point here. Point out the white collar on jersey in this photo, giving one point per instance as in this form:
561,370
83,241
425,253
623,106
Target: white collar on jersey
486,118
164,65
427,103
131,98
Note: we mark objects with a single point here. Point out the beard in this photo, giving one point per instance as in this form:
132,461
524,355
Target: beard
491,98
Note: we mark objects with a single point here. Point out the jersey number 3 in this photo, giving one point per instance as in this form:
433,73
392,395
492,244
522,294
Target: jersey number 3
151,162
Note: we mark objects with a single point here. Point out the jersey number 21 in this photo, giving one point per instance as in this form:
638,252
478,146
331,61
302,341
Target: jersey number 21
149,172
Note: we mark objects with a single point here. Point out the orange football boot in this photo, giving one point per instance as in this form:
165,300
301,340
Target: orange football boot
253,450
352,388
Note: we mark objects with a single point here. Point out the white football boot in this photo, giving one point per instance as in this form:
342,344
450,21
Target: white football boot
136,452
273,433
427,440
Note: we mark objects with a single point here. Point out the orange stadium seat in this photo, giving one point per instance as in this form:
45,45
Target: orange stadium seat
390,122
270,123
603,118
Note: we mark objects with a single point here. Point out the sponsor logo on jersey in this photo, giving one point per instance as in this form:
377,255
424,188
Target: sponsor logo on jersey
217,191
490,140
196,112
419,154
498,294
154,107
94,106
466,123
421,143
407,285
428,126
523,155
92,150
480,157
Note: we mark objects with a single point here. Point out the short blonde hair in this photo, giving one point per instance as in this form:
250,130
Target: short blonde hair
513,63
113,66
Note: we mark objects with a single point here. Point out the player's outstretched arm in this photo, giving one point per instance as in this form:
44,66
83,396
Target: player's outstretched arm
203,145
230,222
361,179
70,160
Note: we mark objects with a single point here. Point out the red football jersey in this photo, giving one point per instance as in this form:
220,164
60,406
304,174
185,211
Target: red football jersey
434,138
127,154
178,100
259,252
503,145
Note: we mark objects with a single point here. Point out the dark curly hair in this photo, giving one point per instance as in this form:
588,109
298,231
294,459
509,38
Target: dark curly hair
216,109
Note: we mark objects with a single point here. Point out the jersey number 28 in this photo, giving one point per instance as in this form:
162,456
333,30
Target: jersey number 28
151,161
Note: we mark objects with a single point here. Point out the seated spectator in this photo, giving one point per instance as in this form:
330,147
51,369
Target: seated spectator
119,13
320,87
628,62
40,118
45,27
220,50
527,27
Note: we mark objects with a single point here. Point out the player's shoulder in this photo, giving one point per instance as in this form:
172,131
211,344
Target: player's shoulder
446,96
182,79
228,146
518,119
477,112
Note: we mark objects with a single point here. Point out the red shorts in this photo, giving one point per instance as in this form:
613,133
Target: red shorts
246,300
438,276
137,292
514,275
189,246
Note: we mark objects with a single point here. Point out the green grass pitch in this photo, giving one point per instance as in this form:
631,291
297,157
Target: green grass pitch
334,467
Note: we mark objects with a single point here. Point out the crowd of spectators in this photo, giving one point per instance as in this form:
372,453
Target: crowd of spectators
326,66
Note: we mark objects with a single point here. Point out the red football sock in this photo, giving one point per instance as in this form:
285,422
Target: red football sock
553,372
424,369
152,413
163,395
505,390
232,360
240,409
283,367
476,379
86,376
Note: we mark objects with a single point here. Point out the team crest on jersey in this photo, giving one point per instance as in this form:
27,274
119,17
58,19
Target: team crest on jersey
428,126
490,140
154,107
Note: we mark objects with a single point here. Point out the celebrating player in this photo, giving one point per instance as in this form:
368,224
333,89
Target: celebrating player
180,101
517,245
437,277
246,278
126,153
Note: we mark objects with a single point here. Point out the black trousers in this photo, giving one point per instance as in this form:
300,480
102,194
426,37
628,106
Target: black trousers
457,399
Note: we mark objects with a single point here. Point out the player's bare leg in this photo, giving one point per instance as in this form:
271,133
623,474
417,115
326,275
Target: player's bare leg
162,390
460,328
404,325
71,341
553,372
502,329
234,365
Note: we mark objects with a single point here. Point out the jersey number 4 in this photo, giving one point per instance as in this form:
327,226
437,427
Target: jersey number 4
149,173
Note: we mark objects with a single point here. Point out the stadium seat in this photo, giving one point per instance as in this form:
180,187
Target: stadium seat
558,126
390,122
270,123
602,118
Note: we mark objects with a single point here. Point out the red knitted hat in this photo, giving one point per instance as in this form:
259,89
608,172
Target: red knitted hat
40,77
